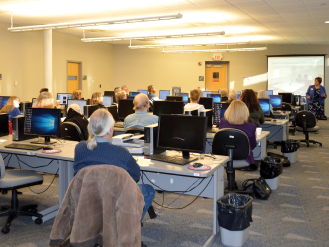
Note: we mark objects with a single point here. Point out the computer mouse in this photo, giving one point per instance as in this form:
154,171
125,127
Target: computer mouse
196,165
274,120
47,148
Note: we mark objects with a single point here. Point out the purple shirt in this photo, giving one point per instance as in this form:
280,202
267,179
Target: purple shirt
249,129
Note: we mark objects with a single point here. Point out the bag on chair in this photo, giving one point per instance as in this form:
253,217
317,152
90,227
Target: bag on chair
259,187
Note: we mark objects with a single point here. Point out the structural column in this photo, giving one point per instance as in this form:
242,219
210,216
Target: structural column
48,59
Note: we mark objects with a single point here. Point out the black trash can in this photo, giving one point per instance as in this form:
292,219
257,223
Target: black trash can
289,149
234,217
271,168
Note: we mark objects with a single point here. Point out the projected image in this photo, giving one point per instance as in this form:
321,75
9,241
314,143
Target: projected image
265,105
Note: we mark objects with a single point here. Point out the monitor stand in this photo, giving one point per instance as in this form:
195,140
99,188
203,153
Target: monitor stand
45,141
186,154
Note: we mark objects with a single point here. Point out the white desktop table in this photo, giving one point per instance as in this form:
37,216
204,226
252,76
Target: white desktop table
279,130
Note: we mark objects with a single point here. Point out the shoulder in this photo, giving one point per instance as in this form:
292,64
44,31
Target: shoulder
81,145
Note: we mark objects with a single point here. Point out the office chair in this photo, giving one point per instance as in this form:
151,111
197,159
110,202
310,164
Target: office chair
287,107
135,131
70,131
306,122
235,144
14,180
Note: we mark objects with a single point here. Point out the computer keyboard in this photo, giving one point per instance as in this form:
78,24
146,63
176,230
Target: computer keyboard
268,119
119,124
171,159
24,146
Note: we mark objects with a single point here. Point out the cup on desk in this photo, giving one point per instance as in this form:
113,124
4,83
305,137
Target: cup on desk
258,131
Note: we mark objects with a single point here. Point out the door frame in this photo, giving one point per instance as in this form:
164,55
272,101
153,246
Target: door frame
218,62
80,72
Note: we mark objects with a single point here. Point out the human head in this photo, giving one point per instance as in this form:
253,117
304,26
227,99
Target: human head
224,92
44,90
120,95
237,112
249,97
141,102
125,88
195,95
13,102
151,89
74,107
318,79
262,95
77,94
117,90
100,125
45,100
233,95
96,99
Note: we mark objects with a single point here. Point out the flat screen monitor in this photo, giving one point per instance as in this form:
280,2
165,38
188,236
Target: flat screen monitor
219,111
276,101
206,102
110,93
142,91
182,133
205,93
130,97
184,95
81,103
89,109
168,107
43,122
125,108
286,97
269,92
265,105
174,98
107,100
133,93
63,97
303,99
3,101
163,94
216,97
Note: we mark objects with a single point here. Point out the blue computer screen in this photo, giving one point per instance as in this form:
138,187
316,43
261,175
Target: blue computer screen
3,101
219,91
276,101
217,97
265,105
142,91
63,97
269,92
185,96
133,93
163,94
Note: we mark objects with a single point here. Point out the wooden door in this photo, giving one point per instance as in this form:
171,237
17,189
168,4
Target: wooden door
72,77
216,77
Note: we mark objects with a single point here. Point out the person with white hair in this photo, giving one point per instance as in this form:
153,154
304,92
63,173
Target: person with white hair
140,118
98,150
232,96
74,116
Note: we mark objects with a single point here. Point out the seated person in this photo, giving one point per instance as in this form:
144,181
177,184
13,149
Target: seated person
116,90
45,100
232,96
125,88
224,94
140,118
118,96
195,95
263,95
12,108
99,150
74,116
236,117
96,99
249,97
77,94
151,93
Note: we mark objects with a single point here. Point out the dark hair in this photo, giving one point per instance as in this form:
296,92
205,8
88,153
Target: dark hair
249,96
44,90
319,79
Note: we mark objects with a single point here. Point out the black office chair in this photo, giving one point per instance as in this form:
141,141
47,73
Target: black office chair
287,107
235,144
306,122
70,131
14,180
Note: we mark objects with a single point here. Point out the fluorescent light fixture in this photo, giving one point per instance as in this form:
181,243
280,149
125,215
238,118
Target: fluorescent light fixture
187,45
96,23
108,39
218,50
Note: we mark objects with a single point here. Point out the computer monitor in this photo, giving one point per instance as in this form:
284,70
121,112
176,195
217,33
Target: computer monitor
110,93
276,101
168,107
130,97
107,100
296,100
219,111
286,97
265,105
43,122
269,92
3,101
174,98
216,97
142,91
33,101
133,93
163,94
63,97
206,102
125,108
219,91
184,95
188,135
24,105
205,93
89,109
303,99
81,103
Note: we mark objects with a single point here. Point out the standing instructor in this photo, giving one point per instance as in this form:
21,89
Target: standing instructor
316,95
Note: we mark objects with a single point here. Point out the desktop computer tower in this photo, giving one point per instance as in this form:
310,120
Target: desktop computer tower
18,129
4,125
24,105
150,140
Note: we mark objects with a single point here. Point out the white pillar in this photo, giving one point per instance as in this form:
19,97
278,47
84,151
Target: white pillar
48,59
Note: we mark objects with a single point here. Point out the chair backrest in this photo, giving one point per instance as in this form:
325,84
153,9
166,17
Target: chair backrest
286,107
135,131
2,168
307,117
234,139
70,131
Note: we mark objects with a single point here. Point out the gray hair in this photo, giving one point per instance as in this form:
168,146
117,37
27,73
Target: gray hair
262,95
232,95
75,107
100,124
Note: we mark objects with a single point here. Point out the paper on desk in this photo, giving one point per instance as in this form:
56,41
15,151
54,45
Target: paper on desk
2,140
141,161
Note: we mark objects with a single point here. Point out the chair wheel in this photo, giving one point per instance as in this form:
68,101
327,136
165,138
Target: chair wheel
38,221
5,230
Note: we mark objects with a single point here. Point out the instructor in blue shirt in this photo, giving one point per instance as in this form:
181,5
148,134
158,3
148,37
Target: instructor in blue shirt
316,95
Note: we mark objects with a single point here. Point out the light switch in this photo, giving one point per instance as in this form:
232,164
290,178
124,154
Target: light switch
16,83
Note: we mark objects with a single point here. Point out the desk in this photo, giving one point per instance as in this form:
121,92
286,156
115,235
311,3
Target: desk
281,114
279,131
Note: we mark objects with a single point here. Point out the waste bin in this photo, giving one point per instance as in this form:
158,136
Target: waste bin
270,169
289,149
234,217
